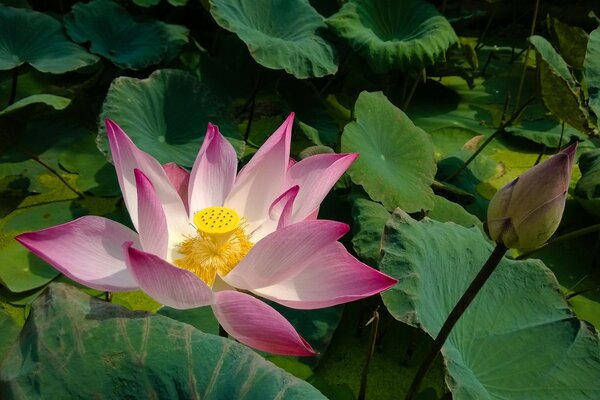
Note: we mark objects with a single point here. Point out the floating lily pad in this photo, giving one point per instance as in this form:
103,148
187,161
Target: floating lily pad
396,164
20,270
94,173
38,39
166,115
390,34
517,340
47,100
279,34
124,41
591,71
132,355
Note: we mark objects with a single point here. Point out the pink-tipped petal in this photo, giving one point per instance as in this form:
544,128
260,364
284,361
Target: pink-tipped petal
282,207
213,173
164,282
87,250
127,157
280,215
152,224
332,277
316,175
262,179
180,180
284,253
258,325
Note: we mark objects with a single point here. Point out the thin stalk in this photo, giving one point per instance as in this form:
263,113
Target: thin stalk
250,117
13,87
412,90
341,68
52,171
501,128
372,341
539,157
562,238
252,104
580,292
467,298
531,32
479,44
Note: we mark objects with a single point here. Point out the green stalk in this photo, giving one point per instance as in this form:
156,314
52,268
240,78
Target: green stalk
13,88
372,341
458,310
501,128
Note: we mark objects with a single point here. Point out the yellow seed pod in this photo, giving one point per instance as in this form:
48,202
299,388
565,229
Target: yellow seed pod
217,220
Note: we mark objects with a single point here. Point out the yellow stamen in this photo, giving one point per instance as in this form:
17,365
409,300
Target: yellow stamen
221,243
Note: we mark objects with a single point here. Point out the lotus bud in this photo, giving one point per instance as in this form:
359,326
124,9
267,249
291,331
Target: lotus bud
525,213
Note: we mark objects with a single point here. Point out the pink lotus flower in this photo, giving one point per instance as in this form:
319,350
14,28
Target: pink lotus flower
214,237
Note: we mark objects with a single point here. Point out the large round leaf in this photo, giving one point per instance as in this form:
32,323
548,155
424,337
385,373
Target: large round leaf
166,114
35,38
74,346
115,35
558,88
517,340
591,71
396,164
391,34
280,34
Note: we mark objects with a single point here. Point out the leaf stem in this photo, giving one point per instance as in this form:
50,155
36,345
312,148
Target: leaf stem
372,341
562,238
53,172
252,104
412,89
501,128
532,31
13,86
458,310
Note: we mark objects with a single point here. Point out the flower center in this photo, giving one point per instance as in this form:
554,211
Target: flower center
220,244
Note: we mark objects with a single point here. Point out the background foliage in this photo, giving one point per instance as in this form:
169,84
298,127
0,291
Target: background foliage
416,87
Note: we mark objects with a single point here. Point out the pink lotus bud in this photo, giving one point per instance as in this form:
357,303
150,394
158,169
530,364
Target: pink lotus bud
527,211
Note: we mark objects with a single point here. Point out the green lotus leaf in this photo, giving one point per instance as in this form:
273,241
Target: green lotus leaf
49,100
166,115
114,34
94,173
311,112
570,40
517,340
280,34
102,348
560,93
587,190
9,331
396,164
591,71
20,270
369,219
392,34
38,39
146,3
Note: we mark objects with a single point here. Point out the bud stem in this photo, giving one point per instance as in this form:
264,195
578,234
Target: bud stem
458,310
